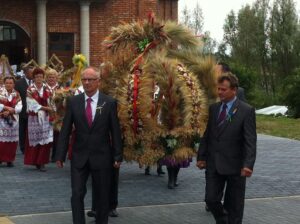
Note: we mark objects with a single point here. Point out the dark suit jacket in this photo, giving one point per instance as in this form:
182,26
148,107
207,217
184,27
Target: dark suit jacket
241,94
99,145
21,86
232,146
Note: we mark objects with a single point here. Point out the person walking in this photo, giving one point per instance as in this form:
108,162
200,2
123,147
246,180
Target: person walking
10,107
227,151
22,86
40,131
97,148
52,84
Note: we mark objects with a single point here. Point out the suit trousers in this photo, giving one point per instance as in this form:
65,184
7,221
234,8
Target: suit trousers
113,200
101,183
231,211
54,145
23,123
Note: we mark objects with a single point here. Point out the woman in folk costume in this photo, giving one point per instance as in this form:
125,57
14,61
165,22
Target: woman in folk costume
52,79
40,130
10,107
52,84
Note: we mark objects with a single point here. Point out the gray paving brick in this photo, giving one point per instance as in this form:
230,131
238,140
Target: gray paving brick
23,190
261,211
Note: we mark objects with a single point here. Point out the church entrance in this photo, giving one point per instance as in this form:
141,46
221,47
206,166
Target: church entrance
14,43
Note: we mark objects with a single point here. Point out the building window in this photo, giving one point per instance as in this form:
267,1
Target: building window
61,41
62,45
7,33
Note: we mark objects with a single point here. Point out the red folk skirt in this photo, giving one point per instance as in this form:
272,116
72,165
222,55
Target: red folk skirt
37,155
8,151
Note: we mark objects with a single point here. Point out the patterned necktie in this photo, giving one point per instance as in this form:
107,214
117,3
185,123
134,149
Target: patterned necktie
222,115
88,111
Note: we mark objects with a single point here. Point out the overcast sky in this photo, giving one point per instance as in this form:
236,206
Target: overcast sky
215,12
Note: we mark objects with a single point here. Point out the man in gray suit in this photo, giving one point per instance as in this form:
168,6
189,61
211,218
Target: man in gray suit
227,151
97,148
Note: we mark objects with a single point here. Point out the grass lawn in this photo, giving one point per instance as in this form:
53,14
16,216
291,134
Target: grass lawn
278,126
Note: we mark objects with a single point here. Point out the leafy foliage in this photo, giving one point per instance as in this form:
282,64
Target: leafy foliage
292,98
262,44
247,79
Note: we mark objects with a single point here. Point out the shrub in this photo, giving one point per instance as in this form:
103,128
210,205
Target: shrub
291,93
247,80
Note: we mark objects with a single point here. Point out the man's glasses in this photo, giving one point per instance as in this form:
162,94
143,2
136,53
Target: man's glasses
89,80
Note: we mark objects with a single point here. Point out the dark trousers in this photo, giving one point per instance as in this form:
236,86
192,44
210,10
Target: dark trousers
23,123
113,196
231,212
55,139
101,184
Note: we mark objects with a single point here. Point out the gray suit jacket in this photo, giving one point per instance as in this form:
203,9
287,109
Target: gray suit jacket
100,144
231,146
241,94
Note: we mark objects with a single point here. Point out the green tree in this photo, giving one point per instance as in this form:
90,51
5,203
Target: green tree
209,44
186,17
261,8
245,45
197,20
291,96
230,32
284,31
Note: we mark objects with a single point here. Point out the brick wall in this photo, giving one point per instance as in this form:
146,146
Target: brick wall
168,9
66,18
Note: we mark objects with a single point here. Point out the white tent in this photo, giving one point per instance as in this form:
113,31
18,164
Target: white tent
275,109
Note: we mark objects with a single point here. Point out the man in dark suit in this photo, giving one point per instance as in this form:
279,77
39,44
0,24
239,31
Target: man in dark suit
97,148
227,151
21,86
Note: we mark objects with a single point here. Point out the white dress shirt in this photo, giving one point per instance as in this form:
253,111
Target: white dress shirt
94,102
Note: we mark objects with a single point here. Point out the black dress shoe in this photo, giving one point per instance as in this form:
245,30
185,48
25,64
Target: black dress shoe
43,168
147,171
170,186
160,171
113,213
91,214
10,164
207,208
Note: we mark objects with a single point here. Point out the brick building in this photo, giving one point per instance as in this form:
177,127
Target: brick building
38,28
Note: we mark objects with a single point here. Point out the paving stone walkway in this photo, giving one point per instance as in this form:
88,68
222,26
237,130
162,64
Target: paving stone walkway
25,191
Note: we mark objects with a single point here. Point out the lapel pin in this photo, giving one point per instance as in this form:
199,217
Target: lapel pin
99,108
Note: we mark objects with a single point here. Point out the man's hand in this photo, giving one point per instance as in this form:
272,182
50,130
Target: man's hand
201,164
117,164
59,164
246,172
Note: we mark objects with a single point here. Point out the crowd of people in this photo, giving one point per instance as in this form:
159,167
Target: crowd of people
227,150
26,118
